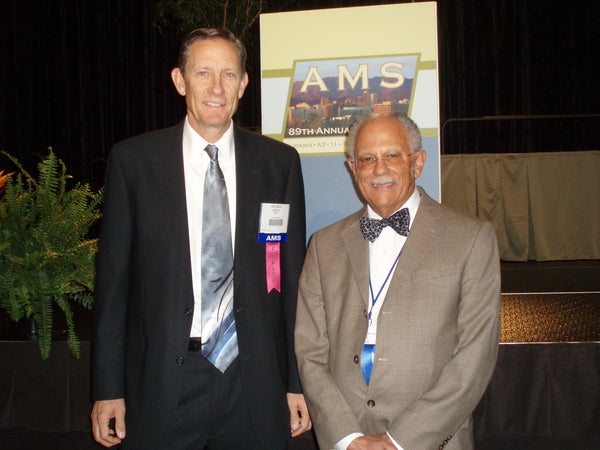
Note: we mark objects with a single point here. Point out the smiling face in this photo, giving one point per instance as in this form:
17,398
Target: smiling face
385,184
212,82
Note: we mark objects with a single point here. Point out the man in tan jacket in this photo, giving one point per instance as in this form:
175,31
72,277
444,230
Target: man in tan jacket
398,311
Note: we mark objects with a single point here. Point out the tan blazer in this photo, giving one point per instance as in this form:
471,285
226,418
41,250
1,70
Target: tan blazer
437,332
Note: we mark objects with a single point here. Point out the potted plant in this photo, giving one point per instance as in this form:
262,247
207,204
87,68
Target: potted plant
46,254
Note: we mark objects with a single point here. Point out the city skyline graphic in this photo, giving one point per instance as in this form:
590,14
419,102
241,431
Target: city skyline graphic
328,95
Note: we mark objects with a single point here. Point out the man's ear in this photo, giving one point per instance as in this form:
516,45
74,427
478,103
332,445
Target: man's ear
419,163
178,81
351,166
243,85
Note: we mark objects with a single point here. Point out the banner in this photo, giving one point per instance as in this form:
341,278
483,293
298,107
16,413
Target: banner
321,69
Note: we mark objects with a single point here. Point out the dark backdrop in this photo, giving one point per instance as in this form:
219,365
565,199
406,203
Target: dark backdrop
80,75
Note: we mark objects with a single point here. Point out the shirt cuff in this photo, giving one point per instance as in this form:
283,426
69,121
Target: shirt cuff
393,441
343,443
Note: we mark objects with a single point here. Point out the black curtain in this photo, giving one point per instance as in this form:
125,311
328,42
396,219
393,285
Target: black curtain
82,75
519,58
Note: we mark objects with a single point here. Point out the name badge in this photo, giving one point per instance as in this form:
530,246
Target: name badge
273,222
272,231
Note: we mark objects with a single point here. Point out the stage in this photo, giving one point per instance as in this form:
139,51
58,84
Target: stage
544,392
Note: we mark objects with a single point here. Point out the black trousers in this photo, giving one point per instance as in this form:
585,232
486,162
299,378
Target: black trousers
211,411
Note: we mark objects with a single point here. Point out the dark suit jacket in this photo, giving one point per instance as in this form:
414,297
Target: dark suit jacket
144,299
437,331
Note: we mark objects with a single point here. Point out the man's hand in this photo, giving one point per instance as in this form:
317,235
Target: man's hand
379,442
102,413
299,417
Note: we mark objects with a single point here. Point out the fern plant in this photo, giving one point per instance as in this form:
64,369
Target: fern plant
46,255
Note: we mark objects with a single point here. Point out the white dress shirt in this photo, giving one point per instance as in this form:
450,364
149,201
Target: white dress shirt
382,257
195,163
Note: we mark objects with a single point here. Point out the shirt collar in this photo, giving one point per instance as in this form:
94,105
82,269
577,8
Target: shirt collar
225,144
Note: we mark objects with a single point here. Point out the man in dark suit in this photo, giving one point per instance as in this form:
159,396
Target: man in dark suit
150,336
398,312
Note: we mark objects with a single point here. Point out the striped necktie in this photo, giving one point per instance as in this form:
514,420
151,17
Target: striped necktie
219,338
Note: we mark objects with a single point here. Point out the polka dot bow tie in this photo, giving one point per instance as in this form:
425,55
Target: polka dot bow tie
399,221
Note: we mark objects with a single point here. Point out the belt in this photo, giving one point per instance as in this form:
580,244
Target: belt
195,344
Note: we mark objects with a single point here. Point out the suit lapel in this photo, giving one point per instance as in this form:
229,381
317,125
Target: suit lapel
416,247
249,175
358,254
418,243
168,168
168,176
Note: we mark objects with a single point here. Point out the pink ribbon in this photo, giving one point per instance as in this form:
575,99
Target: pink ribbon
273,267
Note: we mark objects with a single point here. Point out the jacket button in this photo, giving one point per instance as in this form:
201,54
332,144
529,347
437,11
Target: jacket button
180,360
356,360
188,312
371,403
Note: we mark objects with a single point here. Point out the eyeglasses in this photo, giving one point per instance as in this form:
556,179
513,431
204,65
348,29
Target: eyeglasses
389,159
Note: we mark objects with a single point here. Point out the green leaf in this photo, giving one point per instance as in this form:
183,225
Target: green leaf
46,254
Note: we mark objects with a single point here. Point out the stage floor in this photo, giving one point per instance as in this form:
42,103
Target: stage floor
555,301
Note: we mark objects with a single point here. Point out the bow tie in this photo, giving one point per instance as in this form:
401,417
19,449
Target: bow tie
399,221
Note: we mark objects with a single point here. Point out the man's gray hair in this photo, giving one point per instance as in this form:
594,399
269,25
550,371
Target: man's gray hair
414,134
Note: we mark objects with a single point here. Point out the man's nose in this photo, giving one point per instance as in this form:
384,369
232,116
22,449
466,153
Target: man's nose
217,84
380,165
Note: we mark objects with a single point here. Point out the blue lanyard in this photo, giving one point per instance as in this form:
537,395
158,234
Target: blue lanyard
387,278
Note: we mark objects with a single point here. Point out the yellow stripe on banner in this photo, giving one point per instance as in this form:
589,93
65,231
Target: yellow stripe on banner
427,65
278,73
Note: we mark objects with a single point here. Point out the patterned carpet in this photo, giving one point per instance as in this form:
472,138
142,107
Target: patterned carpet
550,317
